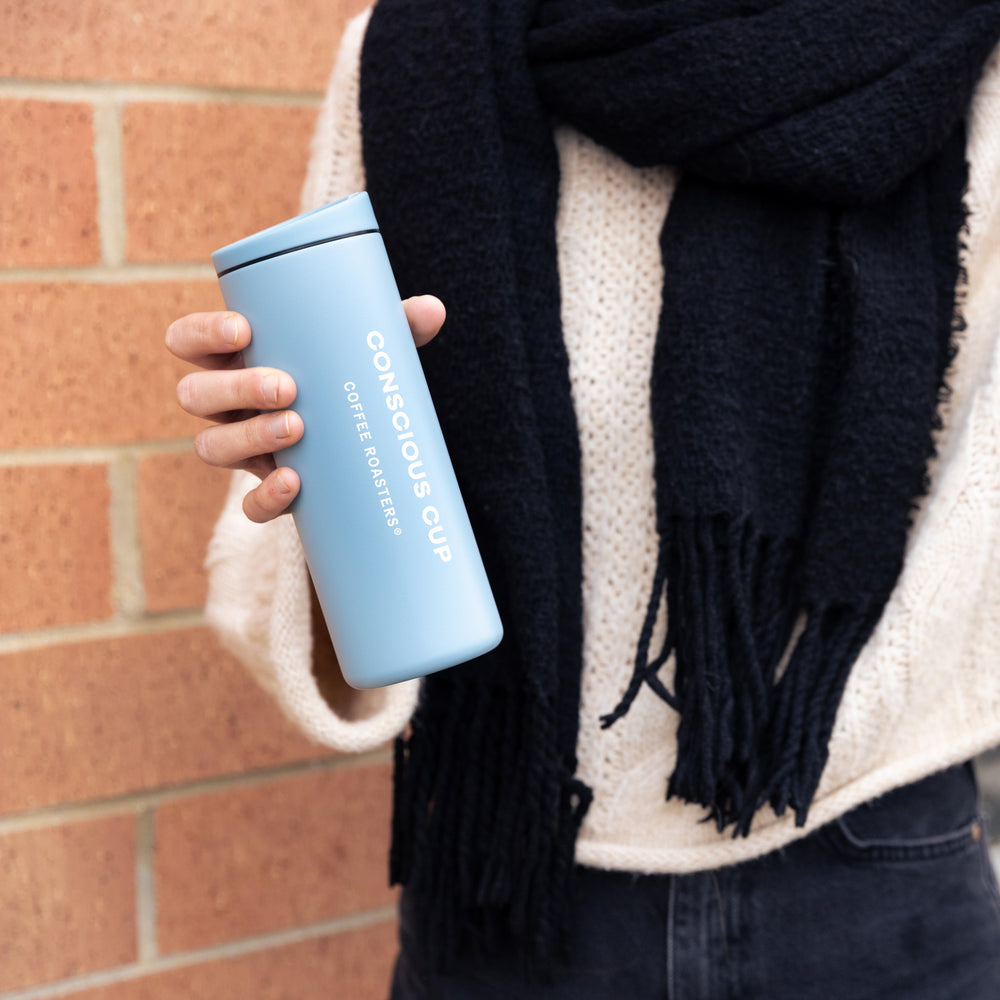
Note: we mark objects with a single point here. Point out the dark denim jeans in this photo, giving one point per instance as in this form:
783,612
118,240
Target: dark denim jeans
894,901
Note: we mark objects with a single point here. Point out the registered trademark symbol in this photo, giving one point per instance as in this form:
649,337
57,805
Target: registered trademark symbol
399,531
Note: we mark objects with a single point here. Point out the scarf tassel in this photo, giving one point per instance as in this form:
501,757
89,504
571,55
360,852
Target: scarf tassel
489,843
757,678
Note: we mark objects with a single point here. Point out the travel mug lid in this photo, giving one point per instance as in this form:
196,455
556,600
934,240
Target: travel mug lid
350,216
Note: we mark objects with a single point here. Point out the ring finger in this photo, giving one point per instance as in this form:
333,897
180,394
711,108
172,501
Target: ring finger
239,445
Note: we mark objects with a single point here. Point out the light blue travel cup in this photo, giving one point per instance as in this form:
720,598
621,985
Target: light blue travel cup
385,532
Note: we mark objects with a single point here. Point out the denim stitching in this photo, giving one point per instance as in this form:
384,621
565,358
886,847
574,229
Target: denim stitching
916,849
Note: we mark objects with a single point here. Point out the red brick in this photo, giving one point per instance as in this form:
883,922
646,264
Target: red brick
96,719
213,42
48,213
86,363
55,547
281,854
179,499
198,176
356,965
68,900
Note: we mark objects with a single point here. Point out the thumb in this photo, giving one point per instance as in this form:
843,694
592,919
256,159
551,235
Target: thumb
425,314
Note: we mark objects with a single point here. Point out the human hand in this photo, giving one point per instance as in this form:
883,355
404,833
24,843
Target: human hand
249,407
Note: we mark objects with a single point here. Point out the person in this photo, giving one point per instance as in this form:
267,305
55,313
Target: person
720,380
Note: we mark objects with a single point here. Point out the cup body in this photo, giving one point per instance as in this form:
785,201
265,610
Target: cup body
385,532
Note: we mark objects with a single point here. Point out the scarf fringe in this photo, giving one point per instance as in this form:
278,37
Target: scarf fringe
755,715
489,842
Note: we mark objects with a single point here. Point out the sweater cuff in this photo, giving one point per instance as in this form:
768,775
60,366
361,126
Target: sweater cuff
259,605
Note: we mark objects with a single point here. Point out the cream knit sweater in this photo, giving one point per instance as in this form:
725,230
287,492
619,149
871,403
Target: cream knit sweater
925,692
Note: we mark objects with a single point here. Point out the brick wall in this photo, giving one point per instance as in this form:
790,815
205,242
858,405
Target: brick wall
163,832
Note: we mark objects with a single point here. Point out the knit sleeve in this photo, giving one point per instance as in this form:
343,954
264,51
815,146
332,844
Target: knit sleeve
259,594
335,167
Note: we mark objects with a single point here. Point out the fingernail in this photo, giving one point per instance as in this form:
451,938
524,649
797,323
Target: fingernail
279,481
269,389
231,330
278,425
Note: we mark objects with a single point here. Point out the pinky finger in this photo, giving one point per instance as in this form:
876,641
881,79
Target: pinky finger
272,496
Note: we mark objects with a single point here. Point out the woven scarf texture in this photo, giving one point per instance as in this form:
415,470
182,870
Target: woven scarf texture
811,259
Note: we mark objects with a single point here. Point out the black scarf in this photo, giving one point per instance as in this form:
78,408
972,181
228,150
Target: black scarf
811,257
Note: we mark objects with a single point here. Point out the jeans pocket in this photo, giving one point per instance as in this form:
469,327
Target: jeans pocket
930,818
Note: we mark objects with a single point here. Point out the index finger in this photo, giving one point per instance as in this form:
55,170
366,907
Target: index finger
208,339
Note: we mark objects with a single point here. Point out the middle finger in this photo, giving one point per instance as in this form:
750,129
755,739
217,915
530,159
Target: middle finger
213,394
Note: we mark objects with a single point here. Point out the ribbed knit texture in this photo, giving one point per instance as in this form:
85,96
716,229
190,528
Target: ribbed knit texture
808,307
924,693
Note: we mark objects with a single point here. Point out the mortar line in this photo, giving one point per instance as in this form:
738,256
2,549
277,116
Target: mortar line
213,953
100,90
110,181
140,801
145,887
112,274
128,590
93,454
111,628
